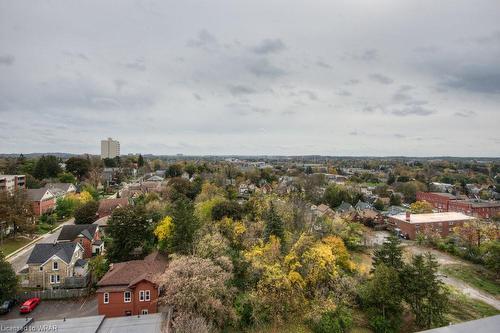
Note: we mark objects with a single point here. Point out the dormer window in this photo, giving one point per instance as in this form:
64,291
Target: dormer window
55,266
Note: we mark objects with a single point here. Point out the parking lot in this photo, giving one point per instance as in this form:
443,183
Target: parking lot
58,309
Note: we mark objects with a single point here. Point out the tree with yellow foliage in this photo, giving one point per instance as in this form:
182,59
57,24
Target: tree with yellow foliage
421,207
163,231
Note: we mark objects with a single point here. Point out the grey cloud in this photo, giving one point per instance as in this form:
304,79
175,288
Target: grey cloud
6,59
323,64
380,78
138,65
399,136
263,68
119,84
77,55
237,90
368,55
245,109
353,82
269,46
344,93
415,110
204,40
310,94
198,97
401,94
476,78
465,114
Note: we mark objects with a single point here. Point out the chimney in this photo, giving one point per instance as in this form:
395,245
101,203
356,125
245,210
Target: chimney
110,267
408,216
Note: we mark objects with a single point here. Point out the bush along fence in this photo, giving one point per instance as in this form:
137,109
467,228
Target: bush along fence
53,294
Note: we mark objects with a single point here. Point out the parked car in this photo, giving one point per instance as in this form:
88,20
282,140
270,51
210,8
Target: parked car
7,306
29,305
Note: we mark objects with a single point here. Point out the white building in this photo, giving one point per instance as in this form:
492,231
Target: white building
110,148
11,183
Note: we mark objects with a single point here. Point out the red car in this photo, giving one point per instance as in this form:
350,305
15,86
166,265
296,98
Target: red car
29,305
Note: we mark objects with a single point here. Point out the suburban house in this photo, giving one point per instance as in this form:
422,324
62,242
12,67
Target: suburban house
106,206
58,265
323,210
130,288
10,183
60,190
443,223
87,235
42,199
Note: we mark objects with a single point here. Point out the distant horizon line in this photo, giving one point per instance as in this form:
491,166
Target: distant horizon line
257,155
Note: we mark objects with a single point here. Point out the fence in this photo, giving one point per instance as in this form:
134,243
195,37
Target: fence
53,294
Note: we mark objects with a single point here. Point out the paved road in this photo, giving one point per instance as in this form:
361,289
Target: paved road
58,309
19,260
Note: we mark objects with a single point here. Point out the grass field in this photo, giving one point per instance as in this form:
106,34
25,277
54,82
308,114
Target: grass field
475,276
10,245
462,308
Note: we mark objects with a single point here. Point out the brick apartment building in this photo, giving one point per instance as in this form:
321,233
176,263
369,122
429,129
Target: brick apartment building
12,183
446,202
477,208
444,222
129,288
440,201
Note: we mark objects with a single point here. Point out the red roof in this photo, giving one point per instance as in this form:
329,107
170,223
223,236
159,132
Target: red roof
107,206
126,274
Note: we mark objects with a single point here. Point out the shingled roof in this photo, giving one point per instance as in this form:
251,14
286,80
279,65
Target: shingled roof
42,252
71,232
126,274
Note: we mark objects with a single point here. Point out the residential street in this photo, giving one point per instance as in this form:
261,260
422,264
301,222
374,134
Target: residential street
19,259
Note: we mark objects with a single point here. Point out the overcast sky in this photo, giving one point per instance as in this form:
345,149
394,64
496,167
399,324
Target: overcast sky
352,77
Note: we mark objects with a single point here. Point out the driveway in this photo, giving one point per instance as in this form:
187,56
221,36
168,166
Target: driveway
446,259
58,309
19,259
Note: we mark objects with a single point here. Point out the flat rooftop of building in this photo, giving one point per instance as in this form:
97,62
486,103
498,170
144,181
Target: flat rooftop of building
433,217
483,325
481,204
151,323
444,194
15,325
70,325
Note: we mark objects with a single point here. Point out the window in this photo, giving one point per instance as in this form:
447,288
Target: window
41,268
54,278
148,295
144,311
106,298
141,296
55,266
127,297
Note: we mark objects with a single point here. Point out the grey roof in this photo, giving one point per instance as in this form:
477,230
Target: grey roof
133,324
361,205
483,325
19,324
62,186
42,252
151,323
71,231
36,194
81,262
345,207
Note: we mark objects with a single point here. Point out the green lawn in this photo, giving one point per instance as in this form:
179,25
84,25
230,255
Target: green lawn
475,276
462,308
10,245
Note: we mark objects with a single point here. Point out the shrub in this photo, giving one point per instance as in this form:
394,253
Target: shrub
338,321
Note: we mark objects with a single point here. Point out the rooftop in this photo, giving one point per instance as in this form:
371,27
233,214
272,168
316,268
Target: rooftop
434,217
483,325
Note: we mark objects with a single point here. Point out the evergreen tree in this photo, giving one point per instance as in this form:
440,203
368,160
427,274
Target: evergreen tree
390,253
140,161
273,224
185,225
8,277
424,292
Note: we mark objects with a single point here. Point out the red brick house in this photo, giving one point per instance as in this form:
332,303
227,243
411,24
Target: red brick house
440,201
87,235
43,201
129,288
476,208
443,223
106,206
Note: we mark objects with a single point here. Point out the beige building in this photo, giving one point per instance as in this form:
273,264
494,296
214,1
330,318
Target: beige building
10,183
110,148
53,266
